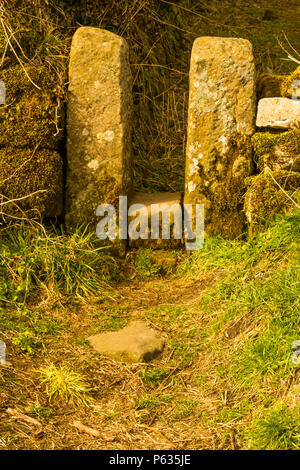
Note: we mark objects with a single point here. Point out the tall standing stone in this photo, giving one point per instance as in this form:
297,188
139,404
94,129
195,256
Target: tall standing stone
221,120
99,121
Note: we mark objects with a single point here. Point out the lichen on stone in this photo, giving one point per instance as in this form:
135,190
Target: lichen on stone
268,194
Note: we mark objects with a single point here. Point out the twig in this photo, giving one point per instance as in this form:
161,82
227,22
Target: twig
281,188
165,379
22,198
291,46
159,434
290,57
161,66
23,417
17,57
92,432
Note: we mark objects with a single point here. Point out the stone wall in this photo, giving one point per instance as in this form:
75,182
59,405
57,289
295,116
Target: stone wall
241,170
276,152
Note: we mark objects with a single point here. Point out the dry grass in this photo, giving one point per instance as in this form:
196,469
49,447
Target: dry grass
120,405
160,34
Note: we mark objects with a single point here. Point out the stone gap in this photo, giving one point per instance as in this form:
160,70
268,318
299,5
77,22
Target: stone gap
221,122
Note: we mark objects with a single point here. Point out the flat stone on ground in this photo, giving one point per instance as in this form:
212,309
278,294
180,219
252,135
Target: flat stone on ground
134,343
278,113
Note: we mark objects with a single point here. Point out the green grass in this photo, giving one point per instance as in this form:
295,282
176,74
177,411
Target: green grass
278,429
33,262
252,316
64,384
144,264
155,376
31,328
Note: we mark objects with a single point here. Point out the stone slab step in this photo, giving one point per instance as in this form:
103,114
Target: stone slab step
149,208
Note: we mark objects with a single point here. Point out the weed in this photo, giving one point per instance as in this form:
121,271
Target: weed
26,341
32,262
144,265
155,376
41,412
150,402
184,408
64,384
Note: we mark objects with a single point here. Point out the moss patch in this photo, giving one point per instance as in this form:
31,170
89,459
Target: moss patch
24,172
226,188
28,37
277,150
29,117
287,88
264,198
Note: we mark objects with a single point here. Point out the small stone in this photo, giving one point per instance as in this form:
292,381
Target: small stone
278,113
134,343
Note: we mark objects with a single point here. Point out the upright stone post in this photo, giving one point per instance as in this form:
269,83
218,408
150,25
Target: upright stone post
99,121
221,120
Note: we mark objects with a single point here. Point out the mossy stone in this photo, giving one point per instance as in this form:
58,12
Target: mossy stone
24,172
277,151
269,194
29,117
23,34
290,87
222,108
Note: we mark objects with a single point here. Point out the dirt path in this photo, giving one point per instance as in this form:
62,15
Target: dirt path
135,412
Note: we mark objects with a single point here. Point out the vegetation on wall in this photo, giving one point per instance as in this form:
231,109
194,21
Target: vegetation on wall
160,34
229,312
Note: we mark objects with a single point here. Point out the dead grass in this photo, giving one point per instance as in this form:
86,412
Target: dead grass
117,388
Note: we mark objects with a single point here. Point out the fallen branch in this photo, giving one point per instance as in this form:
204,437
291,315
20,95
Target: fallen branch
281,188
24,197
159,434
23,417
92,432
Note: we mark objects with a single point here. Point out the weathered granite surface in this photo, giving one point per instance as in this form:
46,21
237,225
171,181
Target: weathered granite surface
99,122
278,113
221,119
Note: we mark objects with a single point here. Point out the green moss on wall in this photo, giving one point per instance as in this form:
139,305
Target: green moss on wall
223,188
22,172
29,116
269,194
287,88
17,21
276,149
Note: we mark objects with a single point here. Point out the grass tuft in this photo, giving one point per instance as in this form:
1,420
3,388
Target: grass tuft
64,384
